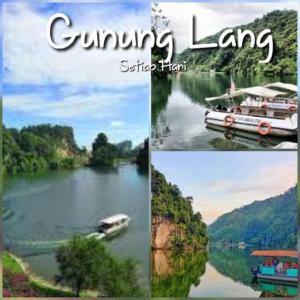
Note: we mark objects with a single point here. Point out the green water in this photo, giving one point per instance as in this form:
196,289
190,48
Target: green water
219,272
42,211
178,113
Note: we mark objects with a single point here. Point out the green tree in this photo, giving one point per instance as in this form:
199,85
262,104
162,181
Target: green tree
100,141
103,152
121,279
85,263
142,158
82,263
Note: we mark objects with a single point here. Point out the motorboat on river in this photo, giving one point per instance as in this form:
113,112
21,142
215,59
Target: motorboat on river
110,226
263,120
274,270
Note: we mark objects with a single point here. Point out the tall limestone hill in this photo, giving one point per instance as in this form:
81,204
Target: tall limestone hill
174,224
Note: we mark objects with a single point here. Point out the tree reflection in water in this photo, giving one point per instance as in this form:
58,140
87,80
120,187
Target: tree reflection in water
236,264
173,273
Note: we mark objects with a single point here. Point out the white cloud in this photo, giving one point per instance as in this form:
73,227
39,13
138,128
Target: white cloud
29,59
213,17
117,124
224,195
95,106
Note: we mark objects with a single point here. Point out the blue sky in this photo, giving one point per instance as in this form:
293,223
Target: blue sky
77,87
223,181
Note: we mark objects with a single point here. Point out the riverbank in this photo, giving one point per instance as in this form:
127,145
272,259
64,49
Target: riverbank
42,287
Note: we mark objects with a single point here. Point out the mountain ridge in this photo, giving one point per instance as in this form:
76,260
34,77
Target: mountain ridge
283,25
266,223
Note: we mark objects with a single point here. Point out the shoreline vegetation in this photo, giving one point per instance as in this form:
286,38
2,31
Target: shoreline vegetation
91,271
52,147
31,283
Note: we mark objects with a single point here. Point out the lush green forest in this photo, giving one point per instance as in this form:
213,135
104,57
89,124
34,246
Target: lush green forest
45,146
283,24
168,202
40,147
268,223
105,153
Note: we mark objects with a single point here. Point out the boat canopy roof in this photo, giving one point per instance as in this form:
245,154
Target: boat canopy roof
281,85
262,92
254,91
113,219
275,253
226,96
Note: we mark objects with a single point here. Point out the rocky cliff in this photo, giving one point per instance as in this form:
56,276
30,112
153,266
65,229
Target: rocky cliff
174,223
164,232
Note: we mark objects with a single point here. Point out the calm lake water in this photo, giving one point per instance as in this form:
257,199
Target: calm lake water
41,211
219,273
178,113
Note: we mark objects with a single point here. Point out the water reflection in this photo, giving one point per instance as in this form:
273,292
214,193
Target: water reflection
234,263
178,113
273,290
174,273
222,272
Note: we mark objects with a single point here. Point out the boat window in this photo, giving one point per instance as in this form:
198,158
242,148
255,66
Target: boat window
105,226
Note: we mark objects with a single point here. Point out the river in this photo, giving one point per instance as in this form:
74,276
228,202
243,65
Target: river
41,211
217,273
178,113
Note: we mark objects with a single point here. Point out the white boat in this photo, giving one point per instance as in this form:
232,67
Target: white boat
113,224
110,226
264,121
287,145
264,97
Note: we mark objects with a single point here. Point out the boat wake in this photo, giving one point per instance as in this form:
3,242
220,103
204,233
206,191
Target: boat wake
7,214
42,244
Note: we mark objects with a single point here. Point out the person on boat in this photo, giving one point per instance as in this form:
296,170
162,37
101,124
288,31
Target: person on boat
275,261
220,107
248,99
279,267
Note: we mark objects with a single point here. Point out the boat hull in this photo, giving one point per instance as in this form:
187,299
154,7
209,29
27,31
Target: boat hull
280,128
117,229
277,278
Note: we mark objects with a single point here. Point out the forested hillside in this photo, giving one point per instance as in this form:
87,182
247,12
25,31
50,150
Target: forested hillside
283,24
39,147
169,203
268,223
43,147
